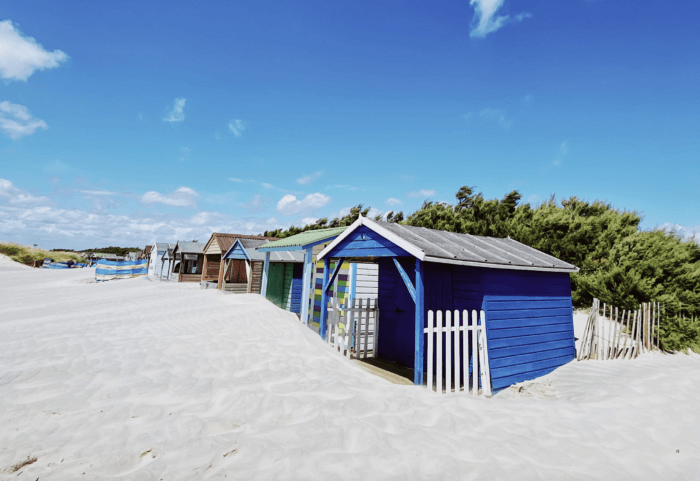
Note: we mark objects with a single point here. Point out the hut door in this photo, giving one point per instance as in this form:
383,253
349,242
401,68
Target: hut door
238,273
275,283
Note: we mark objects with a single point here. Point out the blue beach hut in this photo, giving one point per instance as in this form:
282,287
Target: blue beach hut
524,293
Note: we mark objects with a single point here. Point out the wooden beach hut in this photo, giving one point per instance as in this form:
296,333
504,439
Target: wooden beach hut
188,261
283,285
354,280
525,295
213,272
167,260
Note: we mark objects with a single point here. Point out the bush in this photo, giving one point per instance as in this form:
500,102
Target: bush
27,255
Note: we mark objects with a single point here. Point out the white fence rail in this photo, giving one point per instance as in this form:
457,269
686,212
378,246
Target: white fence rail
352,330
462,342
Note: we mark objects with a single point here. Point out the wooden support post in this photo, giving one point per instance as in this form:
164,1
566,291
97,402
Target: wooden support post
419,326
306,284
265,273
324,297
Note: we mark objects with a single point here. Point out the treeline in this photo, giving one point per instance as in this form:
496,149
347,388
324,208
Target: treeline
120,251
620,264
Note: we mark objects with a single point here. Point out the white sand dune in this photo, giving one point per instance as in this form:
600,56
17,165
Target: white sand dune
141,380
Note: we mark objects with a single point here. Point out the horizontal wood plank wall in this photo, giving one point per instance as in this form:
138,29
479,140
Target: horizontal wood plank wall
256,272
529,321
213,264
190,277
236,287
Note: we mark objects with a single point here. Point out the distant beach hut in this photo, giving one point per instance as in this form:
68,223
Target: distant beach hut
214,276
167,260
354,280
524,293
283,286
155,262
188,260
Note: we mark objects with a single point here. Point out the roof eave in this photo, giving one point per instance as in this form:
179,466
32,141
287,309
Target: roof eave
494,265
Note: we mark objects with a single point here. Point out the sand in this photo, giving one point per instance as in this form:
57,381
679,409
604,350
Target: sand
141,380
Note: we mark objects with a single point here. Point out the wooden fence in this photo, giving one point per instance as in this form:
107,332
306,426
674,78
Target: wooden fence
352,330
446,349
620,334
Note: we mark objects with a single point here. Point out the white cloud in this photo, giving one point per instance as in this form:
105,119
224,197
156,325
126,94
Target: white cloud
684,232
16,196
177,114
267,186
233,179
309,220
290,205
181,197
421,193
21,56
485,19
497,115
16,121
236,126
307,179
393,201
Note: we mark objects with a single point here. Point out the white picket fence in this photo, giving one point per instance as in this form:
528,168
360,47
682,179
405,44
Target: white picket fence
352,330
457,352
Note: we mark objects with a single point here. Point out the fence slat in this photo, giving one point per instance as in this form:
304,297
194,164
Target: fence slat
438,371
431,350
475,361
465,349
448,352
457,351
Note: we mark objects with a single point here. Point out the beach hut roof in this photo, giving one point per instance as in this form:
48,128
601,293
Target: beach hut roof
451,248
303,239
161,246
186,247
250,245
225,241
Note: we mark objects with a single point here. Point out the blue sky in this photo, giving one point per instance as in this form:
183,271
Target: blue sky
122,122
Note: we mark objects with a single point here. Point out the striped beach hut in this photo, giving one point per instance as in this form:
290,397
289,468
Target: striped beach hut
525,295
354,281
214,274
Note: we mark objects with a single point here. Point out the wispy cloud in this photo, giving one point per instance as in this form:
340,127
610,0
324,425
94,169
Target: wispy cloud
237,126
561,153
21,56
393,201
290,205
496,115
307,179
177,114
97,192
485,19
16,121
421,193
181,197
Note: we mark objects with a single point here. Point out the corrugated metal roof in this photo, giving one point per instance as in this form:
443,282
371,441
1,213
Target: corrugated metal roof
305,238
477,249
465,249
187,247
250,246
225,241
161,246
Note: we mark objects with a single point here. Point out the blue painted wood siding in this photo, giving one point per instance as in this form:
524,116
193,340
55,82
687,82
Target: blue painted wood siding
364,242
237,253
297,287
529,317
